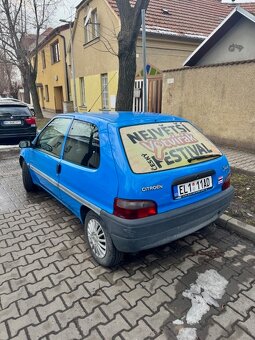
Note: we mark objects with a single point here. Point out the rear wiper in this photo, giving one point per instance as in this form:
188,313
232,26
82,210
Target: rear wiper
196,158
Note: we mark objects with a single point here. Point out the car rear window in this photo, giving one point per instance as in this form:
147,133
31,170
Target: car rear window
12,110
162,146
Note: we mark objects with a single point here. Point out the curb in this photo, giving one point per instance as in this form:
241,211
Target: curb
9,148
237,226
242,170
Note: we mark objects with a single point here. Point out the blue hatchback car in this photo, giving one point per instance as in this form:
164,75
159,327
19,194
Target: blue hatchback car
135,181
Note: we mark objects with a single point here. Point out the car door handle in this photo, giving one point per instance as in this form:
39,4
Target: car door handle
58,168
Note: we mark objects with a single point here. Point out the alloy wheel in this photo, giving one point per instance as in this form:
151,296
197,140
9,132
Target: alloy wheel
96,237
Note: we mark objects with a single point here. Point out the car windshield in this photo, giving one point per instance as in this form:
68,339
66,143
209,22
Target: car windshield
162,146
14,110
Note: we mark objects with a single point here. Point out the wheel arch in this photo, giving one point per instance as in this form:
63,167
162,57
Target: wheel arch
21,160
83,213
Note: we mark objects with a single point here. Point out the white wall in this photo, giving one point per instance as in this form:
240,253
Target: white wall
238,44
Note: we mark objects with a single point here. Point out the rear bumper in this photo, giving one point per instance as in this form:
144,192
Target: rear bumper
135,235
27,134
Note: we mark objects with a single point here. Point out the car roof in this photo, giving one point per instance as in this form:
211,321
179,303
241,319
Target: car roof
125,118
10,102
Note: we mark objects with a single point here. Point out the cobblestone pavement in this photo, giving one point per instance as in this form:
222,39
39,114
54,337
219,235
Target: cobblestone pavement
50,287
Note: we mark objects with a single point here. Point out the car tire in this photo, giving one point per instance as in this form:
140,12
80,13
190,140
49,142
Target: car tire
100,242
27,179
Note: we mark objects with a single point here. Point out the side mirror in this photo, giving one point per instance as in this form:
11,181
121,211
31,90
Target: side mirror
25,144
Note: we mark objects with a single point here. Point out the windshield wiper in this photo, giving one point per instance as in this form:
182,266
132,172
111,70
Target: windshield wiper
196,158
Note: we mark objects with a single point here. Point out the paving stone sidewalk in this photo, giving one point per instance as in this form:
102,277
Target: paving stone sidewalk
240,159
51,288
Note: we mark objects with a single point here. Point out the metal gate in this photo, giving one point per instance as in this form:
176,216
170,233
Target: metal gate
154,95
138,96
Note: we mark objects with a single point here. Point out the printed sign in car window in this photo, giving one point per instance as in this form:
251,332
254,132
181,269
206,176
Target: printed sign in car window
162,146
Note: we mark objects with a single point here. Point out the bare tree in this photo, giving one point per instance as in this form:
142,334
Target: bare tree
131,21
6,72
18,20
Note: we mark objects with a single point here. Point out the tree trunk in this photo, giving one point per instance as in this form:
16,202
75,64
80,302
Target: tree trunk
35,98
130,17
25,78
9,77
127,70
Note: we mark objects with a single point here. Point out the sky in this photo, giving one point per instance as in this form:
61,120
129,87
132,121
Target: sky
65,10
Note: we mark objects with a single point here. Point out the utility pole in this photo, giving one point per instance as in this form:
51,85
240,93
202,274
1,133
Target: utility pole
145,108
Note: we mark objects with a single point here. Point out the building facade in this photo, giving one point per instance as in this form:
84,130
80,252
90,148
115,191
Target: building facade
95,59
52,76
96,63
173,33
215,88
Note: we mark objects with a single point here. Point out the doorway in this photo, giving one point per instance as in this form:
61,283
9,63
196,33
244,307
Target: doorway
42,97
58,97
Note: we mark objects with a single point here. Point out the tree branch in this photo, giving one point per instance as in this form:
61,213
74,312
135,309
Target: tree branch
17,13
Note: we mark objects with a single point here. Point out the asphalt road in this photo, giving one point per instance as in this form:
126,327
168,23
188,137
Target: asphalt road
50,287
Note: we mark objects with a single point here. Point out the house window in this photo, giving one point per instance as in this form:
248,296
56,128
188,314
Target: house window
92,27
105,92
47,98
55,52
82,92
43,60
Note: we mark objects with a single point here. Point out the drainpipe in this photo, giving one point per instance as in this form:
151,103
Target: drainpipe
66,69
72,60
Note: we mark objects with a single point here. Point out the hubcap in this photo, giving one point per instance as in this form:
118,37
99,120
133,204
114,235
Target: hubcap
96,238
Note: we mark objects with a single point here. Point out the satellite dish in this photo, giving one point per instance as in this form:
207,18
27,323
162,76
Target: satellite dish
88,17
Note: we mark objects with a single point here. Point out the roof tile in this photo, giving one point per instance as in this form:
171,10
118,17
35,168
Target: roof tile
187,17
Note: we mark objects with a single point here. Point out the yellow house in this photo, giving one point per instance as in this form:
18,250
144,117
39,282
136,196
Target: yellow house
95,56
95,49
52,76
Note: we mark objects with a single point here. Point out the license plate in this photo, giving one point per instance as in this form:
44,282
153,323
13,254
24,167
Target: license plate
12,122
189,188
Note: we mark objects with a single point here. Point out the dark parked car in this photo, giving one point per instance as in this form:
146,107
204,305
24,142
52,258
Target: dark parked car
10,99
17,122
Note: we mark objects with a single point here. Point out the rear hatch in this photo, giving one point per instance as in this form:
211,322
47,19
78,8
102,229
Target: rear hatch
15,119
170,163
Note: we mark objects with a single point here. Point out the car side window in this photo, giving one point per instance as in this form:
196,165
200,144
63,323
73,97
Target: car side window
82,145
52,137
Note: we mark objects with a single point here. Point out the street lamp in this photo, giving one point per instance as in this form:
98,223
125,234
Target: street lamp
72,62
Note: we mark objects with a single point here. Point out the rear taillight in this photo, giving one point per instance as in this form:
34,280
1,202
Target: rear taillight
31,121
133,209
226,183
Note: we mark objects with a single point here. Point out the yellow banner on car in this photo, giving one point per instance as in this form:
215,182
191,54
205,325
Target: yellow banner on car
162,146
